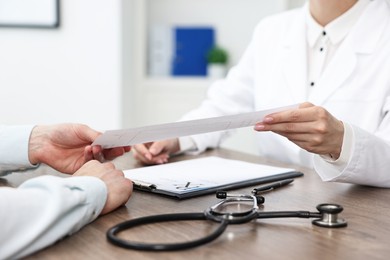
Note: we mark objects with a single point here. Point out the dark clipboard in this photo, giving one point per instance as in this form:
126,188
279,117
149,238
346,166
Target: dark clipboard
231,186
206,175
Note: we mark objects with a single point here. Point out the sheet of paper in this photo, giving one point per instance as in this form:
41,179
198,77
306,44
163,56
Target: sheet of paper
202,173
139,135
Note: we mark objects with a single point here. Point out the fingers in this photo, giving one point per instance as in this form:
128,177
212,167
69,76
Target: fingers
86,132
93,153
110,154
93,168
157,147
294,120
152,153
310,127
141,152
97,153
119,188
88,153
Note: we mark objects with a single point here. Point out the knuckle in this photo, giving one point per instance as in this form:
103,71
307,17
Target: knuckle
294,115
289,127
120,173
321,128
315,143
321,113
109,165
94,162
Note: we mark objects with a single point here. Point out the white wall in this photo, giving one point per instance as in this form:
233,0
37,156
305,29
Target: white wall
70,74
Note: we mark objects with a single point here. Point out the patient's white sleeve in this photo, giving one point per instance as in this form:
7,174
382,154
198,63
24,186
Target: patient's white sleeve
45,209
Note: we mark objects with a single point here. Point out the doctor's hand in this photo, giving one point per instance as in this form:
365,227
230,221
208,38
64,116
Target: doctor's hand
66,147
310,127
155,152
119,188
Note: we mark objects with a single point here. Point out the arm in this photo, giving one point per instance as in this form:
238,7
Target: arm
45,209
358,157
65,147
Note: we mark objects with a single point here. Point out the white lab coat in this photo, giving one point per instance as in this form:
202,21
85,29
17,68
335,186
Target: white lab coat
355,88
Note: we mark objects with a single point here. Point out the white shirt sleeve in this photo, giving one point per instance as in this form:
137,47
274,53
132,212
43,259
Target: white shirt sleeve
187,146
367,163
330,169
14,142
44,209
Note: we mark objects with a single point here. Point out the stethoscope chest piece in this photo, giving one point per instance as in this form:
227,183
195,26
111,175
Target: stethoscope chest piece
330,217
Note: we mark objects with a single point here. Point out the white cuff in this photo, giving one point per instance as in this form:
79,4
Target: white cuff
330,170
187,145
14,141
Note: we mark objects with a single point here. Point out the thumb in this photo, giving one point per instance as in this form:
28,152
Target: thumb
89,133
156,148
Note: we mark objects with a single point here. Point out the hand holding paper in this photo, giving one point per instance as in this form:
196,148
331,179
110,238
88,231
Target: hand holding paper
132,136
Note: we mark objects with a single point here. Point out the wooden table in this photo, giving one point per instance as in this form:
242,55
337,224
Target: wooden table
366,209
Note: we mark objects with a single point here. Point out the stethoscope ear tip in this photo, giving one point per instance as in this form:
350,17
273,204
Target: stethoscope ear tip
221,194
260,199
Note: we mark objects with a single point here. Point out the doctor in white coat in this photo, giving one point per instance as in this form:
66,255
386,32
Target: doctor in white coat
332,57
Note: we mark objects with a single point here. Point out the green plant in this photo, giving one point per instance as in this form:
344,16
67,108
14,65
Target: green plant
217,55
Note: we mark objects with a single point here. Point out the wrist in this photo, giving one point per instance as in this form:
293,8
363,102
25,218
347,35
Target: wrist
35,144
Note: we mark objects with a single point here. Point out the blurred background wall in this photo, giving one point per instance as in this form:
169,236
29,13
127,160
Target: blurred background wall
94,68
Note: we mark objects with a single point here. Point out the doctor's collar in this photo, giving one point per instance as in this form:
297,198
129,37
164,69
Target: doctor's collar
336,30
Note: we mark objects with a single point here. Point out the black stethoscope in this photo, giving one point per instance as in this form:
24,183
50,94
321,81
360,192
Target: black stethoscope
327,216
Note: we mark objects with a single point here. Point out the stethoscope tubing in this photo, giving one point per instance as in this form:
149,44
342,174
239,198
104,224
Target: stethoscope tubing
288,214
112,232
223,223
325,217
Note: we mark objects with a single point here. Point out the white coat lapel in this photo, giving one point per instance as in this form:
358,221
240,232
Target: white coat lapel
294,59
345,60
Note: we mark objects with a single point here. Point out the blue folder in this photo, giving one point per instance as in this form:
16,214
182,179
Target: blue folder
191,47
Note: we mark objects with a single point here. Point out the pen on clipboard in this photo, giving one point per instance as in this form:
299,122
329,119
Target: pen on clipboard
271,186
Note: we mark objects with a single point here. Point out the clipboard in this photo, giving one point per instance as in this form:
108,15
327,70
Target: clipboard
201,176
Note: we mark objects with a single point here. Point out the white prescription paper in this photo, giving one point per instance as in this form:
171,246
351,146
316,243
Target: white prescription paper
139,135
202,173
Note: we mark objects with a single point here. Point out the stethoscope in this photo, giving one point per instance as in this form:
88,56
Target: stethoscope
326,216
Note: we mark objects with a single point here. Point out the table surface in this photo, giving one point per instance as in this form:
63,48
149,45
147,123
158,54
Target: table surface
366,209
